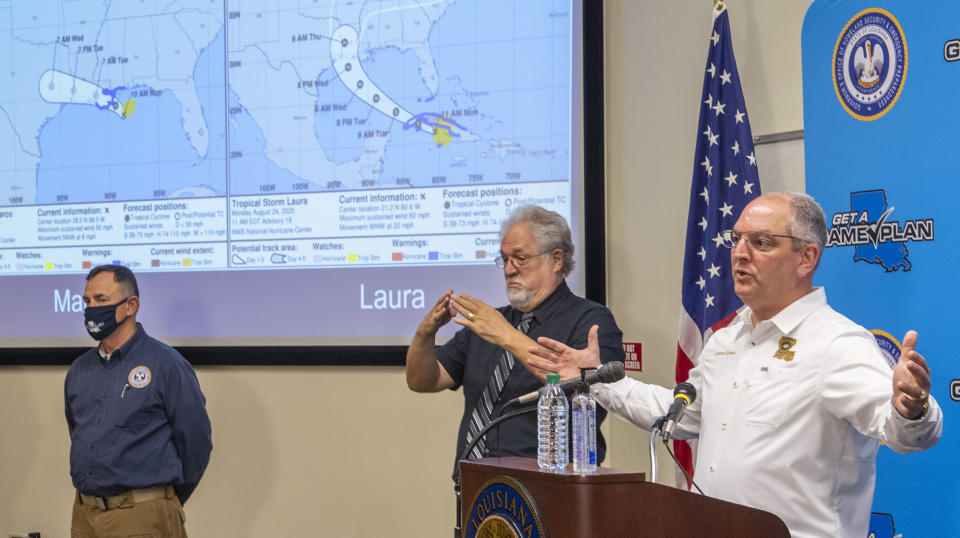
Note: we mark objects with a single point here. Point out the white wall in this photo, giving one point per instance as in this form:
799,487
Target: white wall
296,450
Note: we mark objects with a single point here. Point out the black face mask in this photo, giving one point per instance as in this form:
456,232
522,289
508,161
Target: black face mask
101,321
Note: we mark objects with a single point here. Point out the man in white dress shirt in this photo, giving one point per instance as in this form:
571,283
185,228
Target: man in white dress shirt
793,398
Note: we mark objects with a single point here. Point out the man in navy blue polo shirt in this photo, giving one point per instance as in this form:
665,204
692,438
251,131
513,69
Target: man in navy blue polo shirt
536,255
139,432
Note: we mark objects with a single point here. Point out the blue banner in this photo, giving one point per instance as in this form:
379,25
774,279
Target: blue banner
881,109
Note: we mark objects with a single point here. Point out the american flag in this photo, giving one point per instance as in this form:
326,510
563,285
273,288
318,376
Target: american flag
724,180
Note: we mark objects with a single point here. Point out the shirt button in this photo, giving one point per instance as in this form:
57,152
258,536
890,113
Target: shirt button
713,468
753,343
723,426
735,384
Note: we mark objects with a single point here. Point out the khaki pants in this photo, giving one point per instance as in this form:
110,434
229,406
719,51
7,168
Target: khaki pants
121,517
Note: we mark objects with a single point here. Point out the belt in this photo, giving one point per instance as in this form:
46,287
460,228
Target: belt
127,498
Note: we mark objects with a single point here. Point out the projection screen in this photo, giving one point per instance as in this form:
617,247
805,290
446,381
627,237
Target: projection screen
289,180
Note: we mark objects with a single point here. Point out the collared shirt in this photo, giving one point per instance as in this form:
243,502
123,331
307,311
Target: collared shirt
790,414
470,360
136,421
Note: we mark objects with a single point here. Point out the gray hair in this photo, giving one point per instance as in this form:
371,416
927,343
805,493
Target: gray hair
549,230
807,223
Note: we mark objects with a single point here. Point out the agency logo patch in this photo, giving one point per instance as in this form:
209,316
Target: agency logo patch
139,377
784,352
870,64
889,347
504,508
872,230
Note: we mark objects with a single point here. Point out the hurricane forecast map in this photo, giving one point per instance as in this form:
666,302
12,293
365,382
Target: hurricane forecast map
211,135
77,72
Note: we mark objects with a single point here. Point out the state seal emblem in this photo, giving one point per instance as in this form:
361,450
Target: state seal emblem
139,377
503,508
870,64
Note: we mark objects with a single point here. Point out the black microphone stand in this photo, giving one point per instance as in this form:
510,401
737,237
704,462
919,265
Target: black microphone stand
457,490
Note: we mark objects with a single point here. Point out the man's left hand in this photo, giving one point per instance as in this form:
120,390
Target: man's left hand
484,320
911,380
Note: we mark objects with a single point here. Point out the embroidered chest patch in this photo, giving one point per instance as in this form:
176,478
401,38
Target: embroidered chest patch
784,352
139,377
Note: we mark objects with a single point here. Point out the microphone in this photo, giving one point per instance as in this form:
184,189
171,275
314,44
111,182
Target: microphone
683,395
606,373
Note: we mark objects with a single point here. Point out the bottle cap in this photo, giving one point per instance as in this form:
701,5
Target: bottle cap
583,387
553,378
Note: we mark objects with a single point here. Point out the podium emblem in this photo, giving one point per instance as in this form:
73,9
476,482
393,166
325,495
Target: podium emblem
504,509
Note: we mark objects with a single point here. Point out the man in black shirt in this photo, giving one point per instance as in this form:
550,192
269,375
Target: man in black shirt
488,357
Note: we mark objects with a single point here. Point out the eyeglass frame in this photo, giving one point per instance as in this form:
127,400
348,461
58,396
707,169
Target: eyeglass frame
728,238
517,261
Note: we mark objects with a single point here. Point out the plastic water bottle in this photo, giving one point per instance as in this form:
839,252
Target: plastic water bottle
583,413
552,426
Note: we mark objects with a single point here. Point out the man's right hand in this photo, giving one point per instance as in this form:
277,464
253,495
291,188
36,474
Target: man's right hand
424,372
439,315
557,357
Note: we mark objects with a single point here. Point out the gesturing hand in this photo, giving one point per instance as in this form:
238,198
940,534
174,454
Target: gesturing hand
439,315
911,380
484,320
557,357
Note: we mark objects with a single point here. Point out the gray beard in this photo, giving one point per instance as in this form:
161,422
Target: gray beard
519,299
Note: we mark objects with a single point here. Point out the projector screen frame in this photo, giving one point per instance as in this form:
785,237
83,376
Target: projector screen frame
594,259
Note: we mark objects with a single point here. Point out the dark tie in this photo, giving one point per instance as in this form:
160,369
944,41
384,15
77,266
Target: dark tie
484,408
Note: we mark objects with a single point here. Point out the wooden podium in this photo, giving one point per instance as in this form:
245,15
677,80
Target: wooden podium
612,503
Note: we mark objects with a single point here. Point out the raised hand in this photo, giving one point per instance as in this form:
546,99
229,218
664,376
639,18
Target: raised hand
484,320
439,315
557,357
911,380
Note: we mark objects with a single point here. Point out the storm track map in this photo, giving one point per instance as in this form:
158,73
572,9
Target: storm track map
211,135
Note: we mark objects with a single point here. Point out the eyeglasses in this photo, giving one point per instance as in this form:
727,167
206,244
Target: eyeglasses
760,241
518,261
